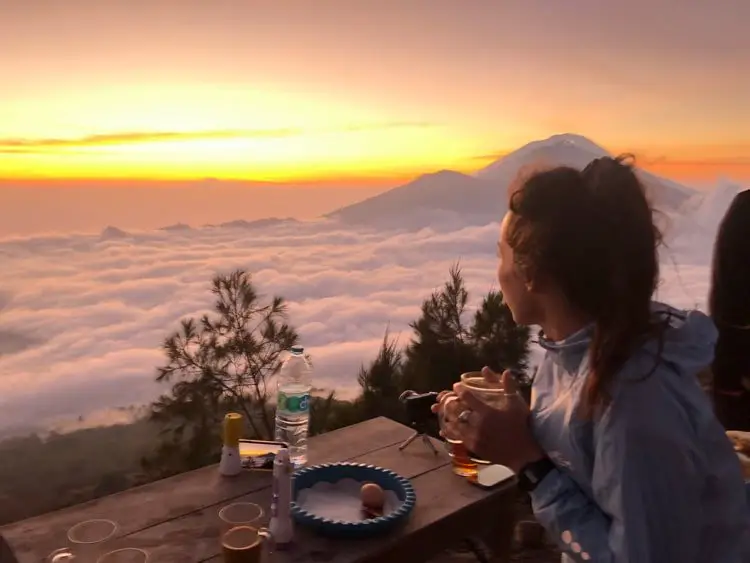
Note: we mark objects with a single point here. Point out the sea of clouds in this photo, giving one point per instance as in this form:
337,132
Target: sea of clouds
82,317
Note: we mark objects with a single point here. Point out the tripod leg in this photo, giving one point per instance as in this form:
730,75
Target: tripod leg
409,441
426,440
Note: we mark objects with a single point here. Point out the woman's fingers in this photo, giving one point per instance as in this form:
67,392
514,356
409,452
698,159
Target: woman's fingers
439,400
490,375
510,384
473,419
469,399
452,407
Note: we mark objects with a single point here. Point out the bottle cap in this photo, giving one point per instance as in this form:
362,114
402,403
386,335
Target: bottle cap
232,429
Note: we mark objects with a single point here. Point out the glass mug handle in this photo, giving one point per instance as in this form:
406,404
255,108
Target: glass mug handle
62,555
266,538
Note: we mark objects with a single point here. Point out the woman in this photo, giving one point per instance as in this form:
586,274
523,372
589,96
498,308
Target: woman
620,450
729,303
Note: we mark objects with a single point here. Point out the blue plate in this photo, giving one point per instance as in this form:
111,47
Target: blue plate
334,472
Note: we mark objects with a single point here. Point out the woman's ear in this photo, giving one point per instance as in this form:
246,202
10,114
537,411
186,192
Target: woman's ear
534,281
529,279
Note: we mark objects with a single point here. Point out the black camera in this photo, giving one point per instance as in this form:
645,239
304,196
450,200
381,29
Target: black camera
419,413
418,407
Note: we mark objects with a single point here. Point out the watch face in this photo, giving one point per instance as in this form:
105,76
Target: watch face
491,475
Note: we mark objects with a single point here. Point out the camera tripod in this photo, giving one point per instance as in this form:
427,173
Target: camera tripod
425,439
418,412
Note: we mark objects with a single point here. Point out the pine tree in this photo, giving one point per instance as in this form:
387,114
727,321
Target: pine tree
381,383
222,362
495,337
443,346
440,348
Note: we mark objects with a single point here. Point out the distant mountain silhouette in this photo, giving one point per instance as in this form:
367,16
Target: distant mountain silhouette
577,151
567,149
177,227
424,202
452,197
113,233
258,223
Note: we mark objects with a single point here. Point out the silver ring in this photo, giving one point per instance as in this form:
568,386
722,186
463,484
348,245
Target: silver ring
463,416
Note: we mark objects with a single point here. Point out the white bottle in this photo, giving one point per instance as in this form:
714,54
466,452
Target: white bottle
230,463
293,404
281,525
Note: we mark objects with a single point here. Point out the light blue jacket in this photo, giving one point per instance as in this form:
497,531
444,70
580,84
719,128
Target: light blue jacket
653,479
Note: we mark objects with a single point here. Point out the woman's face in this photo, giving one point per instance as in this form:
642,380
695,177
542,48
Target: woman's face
517,290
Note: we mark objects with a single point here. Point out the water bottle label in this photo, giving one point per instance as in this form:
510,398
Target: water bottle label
294,404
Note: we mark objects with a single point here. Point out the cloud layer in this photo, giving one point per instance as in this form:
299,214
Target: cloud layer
88,313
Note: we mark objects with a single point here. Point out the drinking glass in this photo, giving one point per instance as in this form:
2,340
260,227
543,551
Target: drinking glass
124,555
244,544
491,392
84,538
242,538
91,532
240,514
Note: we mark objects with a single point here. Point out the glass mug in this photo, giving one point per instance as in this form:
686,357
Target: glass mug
240,514
466,463
124,555
85,539
242,538
245,544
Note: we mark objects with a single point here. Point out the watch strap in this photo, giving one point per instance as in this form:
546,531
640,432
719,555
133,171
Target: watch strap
533,473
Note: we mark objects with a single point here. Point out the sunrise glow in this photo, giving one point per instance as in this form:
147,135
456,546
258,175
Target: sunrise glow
281,95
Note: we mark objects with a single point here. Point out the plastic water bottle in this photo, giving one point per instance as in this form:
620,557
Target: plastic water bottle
293,404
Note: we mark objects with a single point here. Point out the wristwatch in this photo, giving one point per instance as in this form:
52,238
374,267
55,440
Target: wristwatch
533,473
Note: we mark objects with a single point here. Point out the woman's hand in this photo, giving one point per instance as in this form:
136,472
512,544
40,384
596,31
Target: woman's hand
501,436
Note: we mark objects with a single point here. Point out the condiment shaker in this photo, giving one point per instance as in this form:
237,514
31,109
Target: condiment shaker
282,525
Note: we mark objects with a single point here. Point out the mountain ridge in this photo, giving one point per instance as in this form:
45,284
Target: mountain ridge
480,197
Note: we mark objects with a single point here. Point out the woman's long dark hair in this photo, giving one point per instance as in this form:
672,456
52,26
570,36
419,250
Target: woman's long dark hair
729,297
592,233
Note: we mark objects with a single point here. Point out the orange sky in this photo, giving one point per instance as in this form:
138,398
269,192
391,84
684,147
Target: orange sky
334,90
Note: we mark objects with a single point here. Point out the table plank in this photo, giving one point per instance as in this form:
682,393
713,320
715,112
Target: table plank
169,499
6,555
195,537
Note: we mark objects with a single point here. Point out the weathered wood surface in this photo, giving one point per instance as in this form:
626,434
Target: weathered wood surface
196,536
176,520
448,510
168,499
6,555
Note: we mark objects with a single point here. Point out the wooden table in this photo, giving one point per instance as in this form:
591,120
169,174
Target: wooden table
175,520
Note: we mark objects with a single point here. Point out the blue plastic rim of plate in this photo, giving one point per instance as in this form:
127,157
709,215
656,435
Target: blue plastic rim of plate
335,472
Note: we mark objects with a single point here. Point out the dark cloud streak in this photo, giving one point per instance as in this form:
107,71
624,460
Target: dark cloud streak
39,146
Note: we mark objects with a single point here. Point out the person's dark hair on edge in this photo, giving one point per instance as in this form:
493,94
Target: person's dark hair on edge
729,304
593,233
620,449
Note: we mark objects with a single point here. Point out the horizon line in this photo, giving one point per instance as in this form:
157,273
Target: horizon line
208,182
